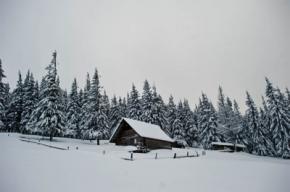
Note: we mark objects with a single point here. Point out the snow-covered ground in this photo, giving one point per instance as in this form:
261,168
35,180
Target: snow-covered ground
29,167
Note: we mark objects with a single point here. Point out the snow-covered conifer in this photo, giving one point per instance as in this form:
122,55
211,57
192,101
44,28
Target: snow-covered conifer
171,115
158,110
146,102
95,120
134,104
256,139
15,107
279,120
29,101
207,123
189,124
73,112
47,118
2,97
114,114
178,126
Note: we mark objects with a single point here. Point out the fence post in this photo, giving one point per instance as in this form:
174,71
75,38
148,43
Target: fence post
187,154
131,156
156,156
174,156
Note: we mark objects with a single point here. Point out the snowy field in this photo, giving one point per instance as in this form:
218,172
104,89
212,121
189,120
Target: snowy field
29,167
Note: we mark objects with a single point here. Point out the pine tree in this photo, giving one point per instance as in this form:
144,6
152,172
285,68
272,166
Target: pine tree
15,107
73,112
189,124
238,125
146,102
279,120
47,118
266,145
171,115
104,124
2,98
106,103
29,100
158,110
122,107
63,100
177,126
207,123
226,117
134,104
84,105
114,114
251,117
95,120
232,121
256,140
87,88
222,109
81,97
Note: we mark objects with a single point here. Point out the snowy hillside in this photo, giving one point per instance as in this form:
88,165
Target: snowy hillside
29,167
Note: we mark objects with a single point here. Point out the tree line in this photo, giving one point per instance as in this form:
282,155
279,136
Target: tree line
88,113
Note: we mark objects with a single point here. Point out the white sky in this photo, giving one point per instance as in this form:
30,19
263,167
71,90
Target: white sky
184,47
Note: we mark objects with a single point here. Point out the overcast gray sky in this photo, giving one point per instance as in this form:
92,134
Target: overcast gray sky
184,47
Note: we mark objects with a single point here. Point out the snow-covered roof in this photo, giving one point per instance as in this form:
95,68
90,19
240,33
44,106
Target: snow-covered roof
146,130
228,144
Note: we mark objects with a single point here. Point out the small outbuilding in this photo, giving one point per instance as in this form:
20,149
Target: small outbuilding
141,134
227,147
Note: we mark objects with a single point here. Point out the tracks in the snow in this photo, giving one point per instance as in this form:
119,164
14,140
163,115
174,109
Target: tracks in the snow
43,144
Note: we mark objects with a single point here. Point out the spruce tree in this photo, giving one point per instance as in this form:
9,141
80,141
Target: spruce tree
114,114
238,123
134,104
73,112
29,101
48,118
189,124
178,126
106,103
42,87
15,107
256,144
158,110
266,145
279,118
222,109
3,91
84,105
146,102
207,123
122,106
95,120
171,115
103,123
226,117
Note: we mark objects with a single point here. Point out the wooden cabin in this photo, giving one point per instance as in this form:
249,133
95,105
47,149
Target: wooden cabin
227,147
141,134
